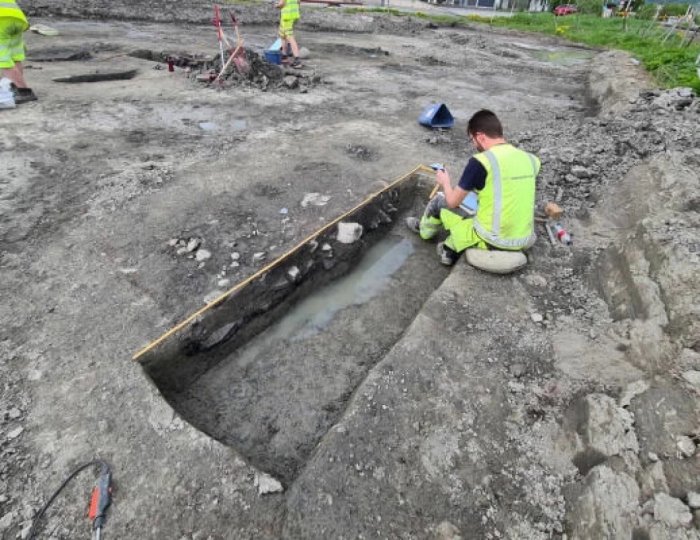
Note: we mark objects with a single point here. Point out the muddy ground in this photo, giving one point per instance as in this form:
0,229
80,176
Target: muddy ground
560,402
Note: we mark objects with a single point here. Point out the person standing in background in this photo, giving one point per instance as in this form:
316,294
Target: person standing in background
13,24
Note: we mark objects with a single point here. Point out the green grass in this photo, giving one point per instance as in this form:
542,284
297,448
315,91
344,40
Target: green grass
669,63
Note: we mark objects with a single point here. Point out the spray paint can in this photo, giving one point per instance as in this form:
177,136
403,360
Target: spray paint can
561,234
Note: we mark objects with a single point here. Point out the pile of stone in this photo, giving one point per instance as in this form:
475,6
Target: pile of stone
261,74
190,248
578,158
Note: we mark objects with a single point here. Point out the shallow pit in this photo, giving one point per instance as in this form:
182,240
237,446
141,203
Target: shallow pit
270,369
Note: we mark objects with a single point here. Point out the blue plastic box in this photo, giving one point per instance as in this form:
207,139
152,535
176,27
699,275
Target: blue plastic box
436,115
274,57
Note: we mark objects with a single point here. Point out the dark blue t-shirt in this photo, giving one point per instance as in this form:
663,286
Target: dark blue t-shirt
474,176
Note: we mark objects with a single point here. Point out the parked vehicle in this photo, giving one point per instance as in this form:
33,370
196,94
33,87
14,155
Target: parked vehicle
565,9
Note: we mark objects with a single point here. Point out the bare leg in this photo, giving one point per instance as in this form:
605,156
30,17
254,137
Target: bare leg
295,48
16,75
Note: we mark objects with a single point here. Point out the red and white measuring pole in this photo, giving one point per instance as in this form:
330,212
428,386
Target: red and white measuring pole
219,31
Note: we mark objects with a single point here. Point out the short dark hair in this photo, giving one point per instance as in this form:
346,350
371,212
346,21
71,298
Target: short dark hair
486,122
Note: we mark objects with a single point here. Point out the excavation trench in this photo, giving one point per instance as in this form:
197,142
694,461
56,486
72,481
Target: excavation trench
271,368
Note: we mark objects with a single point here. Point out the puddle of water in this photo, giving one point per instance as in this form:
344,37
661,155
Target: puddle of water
313,314
366,281
208,126
563,58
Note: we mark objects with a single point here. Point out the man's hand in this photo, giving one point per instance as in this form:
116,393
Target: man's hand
280,4
442,178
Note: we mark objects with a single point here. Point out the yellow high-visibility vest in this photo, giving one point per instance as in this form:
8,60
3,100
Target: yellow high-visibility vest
9,8
290,10
506,213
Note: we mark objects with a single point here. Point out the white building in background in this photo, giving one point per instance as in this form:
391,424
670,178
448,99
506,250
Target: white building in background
533,5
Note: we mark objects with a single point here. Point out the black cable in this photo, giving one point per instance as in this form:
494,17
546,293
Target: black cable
72,475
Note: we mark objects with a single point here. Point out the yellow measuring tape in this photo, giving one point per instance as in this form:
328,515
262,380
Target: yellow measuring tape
273,264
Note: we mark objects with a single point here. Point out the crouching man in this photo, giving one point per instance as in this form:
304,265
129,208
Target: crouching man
503,178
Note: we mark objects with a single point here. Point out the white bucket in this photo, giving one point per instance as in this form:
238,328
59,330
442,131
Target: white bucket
7,98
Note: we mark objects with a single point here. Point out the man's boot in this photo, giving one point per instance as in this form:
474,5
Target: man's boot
23,95
413,223
446,255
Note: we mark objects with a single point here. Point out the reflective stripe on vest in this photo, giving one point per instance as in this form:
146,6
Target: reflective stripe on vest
9,8
493,234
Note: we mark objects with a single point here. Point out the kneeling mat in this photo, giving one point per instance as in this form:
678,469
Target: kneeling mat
496,262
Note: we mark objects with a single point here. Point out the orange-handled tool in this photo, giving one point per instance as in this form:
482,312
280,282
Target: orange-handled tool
100,500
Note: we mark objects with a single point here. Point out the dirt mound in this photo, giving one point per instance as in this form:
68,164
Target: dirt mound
252,70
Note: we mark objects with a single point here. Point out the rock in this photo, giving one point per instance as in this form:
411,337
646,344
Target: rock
349,233
14,413
235,256
24,533
581,172
536,317
652,480
181,251
535,280
202,255
315,199
693,377
607,506
6,521
172,242
259,256
632,390
193,244
694,500
494,261
689,359
304,53
671,511
653,457
294,274
326,248
211,296
608,428
686,446
284,211
383,217
223,283
516,387
15,433
267,484
220,334
447,531
517,370
290,81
